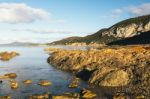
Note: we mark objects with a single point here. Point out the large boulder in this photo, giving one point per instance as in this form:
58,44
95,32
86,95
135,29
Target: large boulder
116,78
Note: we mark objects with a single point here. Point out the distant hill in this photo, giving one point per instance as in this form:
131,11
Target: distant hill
124,29
20,44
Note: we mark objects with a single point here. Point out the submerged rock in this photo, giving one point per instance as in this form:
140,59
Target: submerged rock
63,97
67,96
45,83
11,75
14,84
27,81
5,97
40,96
74,83
3,77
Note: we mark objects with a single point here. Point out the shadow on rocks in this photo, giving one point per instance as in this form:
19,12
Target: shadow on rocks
85,74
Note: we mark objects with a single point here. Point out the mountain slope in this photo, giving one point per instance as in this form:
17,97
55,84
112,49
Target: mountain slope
124,29
143,38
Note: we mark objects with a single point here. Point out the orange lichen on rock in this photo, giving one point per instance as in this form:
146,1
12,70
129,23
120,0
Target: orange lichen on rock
5,56
109,66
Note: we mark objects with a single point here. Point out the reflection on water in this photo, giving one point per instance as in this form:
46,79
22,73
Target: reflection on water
31,64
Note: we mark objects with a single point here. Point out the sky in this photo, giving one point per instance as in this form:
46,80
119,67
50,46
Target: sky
42,21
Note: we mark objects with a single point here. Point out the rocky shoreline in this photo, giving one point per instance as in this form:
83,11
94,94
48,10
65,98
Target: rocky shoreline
120,66
14,85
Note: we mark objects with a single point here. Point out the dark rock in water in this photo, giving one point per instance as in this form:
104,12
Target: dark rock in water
1,81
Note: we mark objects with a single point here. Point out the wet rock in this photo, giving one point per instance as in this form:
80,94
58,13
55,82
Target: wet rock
13,54
40,96
11,75
14,84
62,97
116,78
45,83
67,95
5,56
87,94
74,83
27,81
111,66
3,77
75,95
5,97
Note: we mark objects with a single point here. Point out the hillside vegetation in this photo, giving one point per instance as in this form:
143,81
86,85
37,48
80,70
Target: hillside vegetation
124,29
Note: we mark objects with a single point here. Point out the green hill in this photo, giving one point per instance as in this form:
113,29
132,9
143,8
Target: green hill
124,29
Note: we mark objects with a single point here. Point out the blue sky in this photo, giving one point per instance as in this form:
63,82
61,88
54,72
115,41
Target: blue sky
50,20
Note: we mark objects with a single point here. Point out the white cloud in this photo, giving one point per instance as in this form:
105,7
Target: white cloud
21,13
133,11
143,9
116,13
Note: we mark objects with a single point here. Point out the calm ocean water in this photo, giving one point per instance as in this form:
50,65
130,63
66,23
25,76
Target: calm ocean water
32,64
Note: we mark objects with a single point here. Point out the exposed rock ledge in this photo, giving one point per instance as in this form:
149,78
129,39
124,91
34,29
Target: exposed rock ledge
126,67
6,56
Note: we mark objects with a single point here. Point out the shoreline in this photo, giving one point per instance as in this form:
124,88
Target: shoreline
108,67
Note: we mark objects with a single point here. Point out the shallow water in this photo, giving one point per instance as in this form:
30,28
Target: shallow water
32,64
